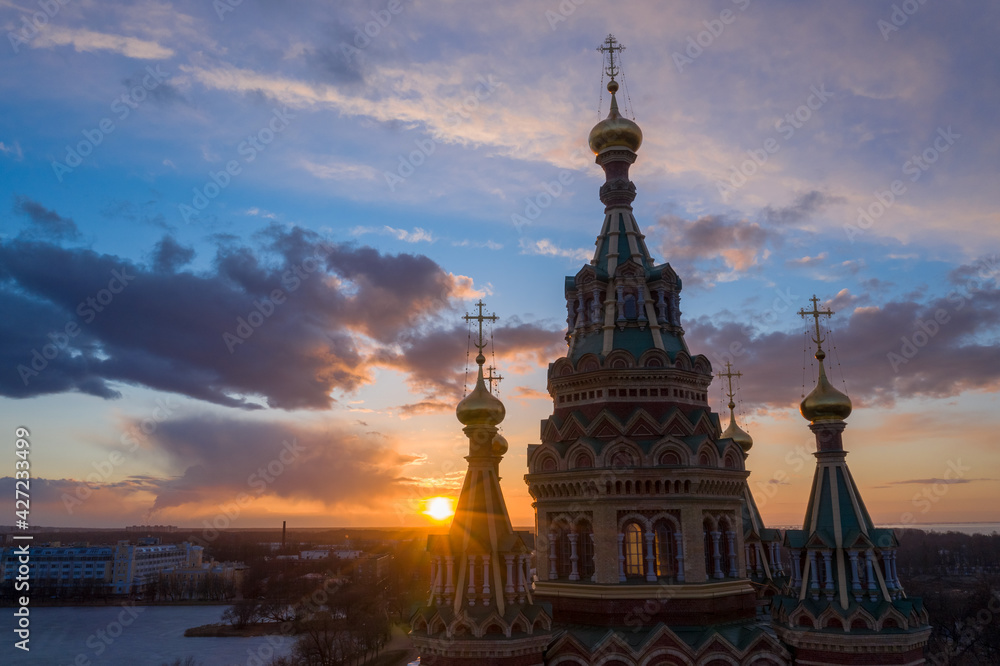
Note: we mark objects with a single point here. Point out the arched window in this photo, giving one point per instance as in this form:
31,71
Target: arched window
585,550
665,549
703,459
621,459
563,552
670,458
709,548
582,460
634,559
549,464
725,547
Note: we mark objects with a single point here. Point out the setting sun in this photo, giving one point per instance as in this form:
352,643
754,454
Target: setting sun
439,508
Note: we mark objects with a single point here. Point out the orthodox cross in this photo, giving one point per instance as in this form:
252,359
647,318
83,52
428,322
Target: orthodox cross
480,318
609,46
730,374
816,313
490,377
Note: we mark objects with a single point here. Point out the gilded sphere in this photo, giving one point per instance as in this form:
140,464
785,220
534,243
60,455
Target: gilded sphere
738,435
480,407
500,445
615,131
825,403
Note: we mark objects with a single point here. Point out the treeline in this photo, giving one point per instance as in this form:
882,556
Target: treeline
952,553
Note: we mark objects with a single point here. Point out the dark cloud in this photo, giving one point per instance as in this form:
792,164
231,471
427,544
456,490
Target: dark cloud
936,480
169,255
802,208
741,244
214,335
45,223
219,458
432,359
939,347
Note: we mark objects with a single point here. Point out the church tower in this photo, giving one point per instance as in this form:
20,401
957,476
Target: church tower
646,542
843,603
481,606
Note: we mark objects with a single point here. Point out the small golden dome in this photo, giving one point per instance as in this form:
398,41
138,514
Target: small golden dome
825,403
500,445
615,131
480,407
738,435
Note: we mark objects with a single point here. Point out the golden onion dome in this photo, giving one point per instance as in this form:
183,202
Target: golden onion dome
825,403
615,131
738,435
480,407
500,445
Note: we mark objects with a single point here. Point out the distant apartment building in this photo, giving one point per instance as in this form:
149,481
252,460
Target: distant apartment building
120,569
372,570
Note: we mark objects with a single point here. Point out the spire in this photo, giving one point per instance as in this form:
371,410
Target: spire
824,403
734,432
481,569
480,407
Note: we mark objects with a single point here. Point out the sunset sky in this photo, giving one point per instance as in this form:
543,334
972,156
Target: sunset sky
348,178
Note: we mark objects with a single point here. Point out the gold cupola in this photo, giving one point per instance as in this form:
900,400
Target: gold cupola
824,403
615,131
480,407
734,432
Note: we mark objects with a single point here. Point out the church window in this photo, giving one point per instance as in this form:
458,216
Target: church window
665,545
634,559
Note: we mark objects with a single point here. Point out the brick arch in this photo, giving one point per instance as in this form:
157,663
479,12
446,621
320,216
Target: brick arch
619,358
588,363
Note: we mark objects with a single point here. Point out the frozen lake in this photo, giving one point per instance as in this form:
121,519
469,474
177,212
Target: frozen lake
154,635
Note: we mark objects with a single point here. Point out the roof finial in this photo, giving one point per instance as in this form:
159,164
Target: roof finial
609,47
824,403
734,432
480,407
481,343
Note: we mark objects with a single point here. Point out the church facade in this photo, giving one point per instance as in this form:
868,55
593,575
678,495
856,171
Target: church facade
649,548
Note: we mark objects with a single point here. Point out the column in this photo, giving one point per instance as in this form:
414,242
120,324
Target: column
716,555
855,581
813,575
828,579
593,576
650,558
779,568
553,572
746,554
640,304
733,571
508,588
574,573
471,591
661,307
595,313
435,577
522,578
870,569
621,557
581,316
895,575
759,562
449,586
796,566
680,556
486,580
621,306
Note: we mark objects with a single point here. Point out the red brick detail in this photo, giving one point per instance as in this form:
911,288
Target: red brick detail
645,612
860,658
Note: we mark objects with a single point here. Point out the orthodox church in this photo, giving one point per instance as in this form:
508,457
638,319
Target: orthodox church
649,548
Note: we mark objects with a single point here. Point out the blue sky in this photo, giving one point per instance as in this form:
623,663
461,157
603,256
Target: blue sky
419,156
